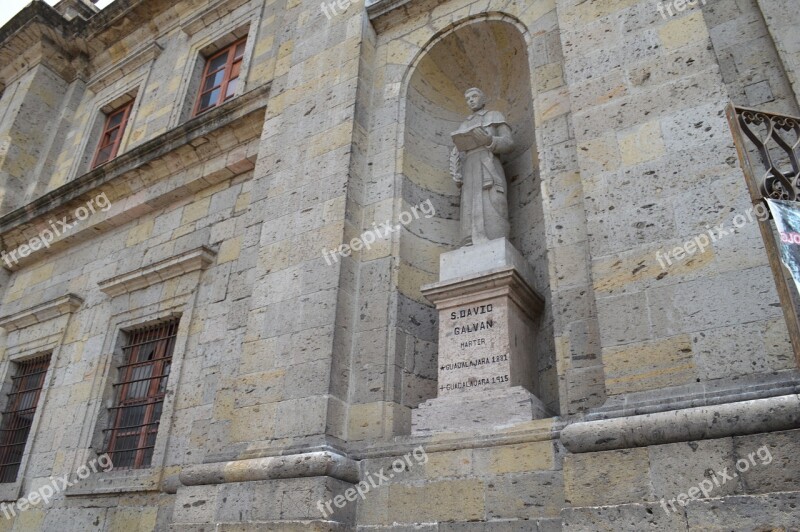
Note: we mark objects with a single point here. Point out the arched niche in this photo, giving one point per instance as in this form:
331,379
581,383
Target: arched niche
492,54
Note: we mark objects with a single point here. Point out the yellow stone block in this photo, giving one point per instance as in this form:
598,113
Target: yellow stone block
649,365
610,477
550,105
30,519
449,464
549,77
453,500
242,202
644,144
410,279
195,211
533,456
139,233
614,272
229,250
253,422
133,519
365,421
603,152
40,274
682,31
331,139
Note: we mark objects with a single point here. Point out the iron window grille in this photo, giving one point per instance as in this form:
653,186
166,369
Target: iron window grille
113,130
26,386
140,395
220,77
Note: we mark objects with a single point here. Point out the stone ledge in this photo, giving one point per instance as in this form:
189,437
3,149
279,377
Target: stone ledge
292,525
315,464
692,395
189,261
499,281
41,313
691,424
250,105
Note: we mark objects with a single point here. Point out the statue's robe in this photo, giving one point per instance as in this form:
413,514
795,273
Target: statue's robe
484,206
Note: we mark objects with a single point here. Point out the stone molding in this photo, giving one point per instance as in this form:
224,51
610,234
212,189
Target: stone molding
690,424
189,261
210,15
41,313
314,464
117,71
250,106
496,282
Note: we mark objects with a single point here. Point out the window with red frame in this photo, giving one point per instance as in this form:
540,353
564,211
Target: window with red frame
140,395
26,386
220,77
112,134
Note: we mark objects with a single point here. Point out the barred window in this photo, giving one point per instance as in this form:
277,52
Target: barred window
220,77
140,395
26,386
113,130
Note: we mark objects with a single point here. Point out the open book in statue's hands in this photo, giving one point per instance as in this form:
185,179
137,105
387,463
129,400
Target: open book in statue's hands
469,140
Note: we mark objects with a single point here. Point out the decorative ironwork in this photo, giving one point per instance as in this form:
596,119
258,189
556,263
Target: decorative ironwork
26,386
777,139
140,395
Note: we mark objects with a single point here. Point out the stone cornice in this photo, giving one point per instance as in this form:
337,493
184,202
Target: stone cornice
39,34
312,464
376,8
208,16
690,424
506,280
189,261
250,105
41,313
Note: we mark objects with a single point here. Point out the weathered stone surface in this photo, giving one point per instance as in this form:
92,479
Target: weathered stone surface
320,197
727,419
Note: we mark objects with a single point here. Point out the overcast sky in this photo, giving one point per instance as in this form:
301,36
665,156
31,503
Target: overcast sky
9,8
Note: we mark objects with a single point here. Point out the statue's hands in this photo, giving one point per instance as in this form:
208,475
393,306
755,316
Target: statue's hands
483,138
455,167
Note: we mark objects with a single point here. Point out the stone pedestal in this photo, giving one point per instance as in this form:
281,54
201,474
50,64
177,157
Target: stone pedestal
487,362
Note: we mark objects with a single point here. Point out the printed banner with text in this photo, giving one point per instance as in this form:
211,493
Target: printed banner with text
787,219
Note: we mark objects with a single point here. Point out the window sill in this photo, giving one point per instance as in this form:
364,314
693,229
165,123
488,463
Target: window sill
119,481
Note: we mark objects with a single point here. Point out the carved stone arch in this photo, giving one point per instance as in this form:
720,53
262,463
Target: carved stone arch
490,51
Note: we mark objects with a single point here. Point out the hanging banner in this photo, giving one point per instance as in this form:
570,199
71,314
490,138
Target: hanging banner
787,220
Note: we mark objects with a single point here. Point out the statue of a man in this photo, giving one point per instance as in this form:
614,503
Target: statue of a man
477,171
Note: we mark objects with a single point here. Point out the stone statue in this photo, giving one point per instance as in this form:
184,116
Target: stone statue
477,171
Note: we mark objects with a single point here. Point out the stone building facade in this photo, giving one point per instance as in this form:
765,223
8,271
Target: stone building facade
294,374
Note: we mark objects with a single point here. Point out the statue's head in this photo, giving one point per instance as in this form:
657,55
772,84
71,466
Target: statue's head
476,99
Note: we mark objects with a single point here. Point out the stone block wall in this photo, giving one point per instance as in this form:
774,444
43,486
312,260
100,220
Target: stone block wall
296,369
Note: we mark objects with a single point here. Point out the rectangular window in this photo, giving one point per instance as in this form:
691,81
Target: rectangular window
26,385
220,77
140,395
112,134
